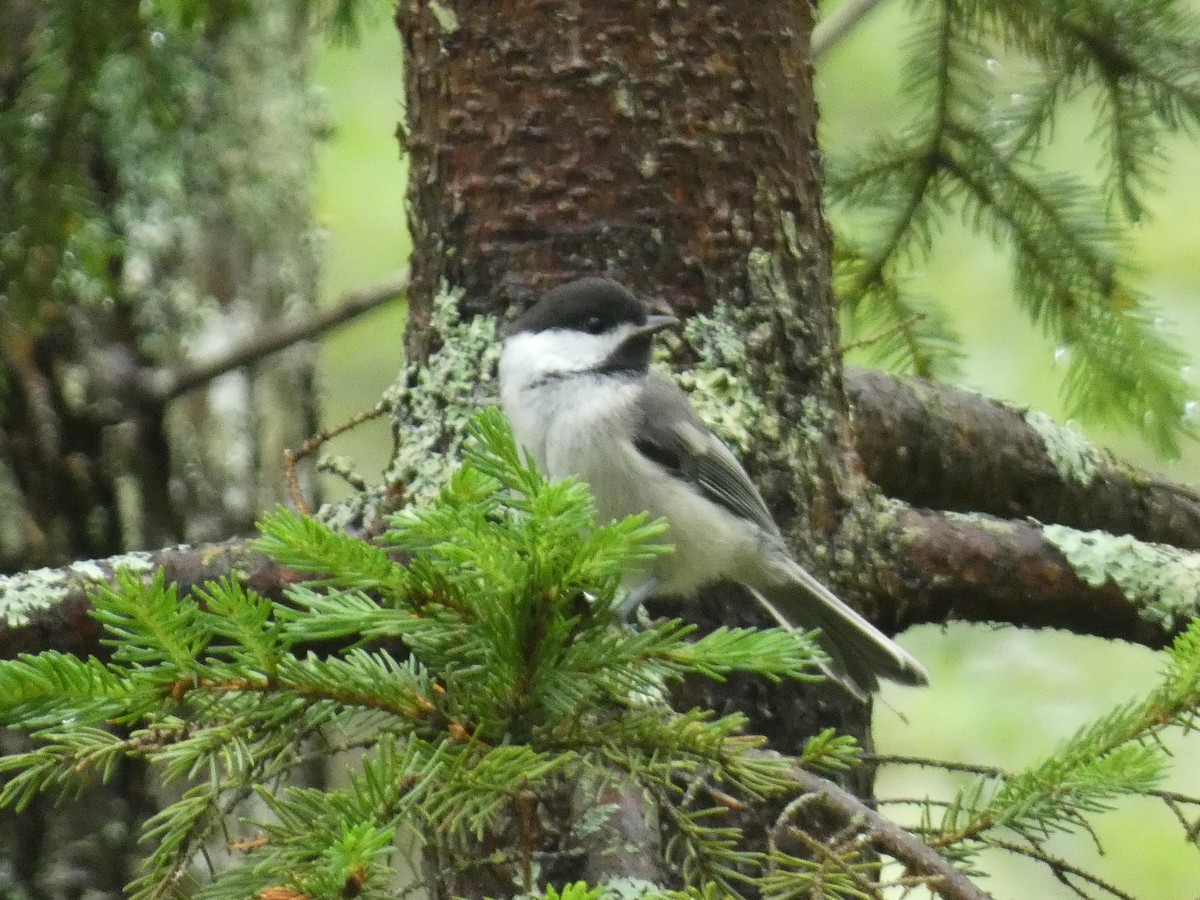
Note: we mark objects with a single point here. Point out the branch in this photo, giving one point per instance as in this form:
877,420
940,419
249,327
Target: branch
929,444
926,762
168,386
48,609
626,847
831,30
943,566
938,446
886,836
978,568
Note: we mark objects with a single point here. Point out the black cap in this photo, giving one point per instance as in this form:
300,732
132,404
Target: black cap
593,305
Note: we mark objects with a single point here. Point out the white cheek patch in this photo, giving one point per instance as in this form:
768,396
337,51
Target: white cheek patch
530,357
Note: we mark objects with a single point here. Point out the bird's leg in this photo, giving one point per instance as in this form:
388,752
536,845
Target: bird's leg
639,595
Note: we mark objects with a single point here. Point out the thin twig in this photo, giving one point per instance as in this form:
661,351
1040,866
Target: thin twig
291,457
1060,866
912,801
831,860
882,759
831,30
353,304
904,325
918,857
785,816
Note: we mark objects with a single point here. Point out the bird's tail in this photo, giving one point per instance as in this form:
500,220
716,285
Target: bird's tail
859,653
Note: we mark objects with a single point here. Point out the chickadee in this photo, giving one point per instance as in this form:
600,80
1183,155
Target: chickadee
575,381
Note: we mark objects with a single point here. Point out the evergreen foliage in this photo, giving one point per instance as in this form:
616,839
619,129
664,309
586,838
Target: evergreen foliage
975,148
1118,755
473,658
488,666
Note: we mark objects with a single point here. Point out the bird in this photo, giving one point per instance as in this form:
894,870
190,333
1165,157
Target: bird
578,388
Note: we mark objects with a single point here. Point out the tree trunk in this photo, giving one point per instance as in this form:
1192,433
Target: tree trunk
671,146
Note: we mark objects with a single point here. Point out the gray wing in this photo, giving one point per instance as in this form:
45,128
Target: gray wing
671,435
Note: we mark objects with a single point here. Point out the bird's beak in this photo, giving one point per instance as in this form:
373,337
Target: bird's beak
655,324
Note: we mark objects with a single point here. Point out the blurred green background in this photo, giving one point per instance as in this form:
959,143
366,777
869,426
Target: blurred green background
999,696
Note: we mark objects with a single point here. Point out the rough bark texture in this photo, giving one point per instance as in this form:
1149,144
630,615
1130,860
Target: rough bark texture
671,146
934,445
658,143
995,570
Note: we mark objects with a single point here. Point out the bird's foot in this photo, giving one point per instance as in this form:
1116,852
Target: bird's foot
639,595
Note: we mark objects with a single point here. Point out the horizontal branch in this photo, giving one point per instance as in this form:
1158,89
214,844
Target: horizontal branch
940,447
978,568
169,385
49,609
943,567
927,444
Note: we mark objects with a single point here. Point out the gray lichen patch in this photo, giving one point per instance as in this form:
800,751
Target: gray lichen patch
767,283
447,18
1072,456
1163,582
629,888
982,521
431,406
26,593
433,403
720,384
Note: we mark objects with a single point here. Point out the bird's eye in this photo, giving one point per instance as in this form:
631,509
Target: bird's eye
594,325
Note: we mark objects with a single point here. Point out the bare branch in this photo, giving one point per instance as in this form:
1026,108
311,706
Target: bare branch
945,566
977,568
832,29
353,304
48,609
913,437
1059,867
938,446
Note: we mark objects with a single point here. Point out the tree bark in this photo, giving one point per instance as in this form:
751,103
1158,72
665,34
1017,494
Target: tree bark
936,446
673,147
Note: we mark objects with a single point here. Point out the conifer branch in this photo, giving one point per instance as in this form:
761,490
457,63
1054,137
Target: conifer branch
1174,800
935,446
943,878
1115,756
509,689
955,567
975,148
911,333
